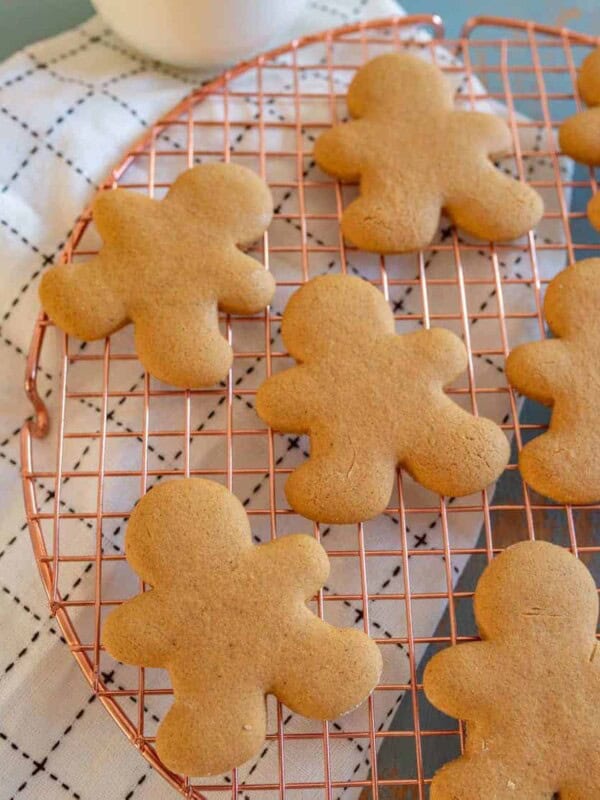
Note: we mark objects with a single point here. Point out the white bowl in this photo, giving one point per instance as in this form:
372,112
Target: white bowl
199,33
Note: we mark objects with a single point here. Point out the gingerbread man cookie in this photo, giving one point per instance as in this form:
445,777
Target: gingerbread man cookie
229,621
530,691
579,135
564,372
370,400
415,155
168,266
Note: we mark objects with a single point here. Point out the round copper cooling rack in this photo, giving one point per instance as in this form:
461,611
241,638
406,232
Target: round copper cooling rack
260,114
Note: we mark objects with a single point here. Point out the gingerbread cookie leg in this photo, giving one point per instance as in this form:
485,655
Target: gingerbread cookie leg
91,314
349,664
395,221
474,453
480,205
483,780
339,485
182,344
562,466
208,732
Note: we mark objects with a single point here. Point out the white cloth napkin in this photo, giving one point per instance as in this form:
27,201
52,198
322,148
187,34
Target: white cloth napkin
69,107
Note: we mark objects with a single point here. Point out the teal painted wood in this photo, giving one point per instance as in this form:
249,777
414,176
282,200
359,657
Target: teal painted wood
25,21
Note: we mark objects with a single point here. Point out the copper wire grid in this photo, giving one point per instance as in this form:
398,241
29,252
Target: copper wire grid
527,67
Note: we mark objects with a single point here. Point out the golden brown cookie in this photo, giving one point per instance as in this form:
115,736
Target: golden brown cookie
530,691
168,266
564,372
370,400
579,135
415,155
229,621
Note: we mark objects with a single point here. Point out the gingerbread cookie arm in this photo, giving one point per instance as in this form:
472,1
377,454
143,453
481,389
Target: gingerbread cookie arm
137,632
79,300
118,210
487,132
536,368
245,286
210,731
579,137
340,151
182,345
285,401
326,671
459,680
439,353
593,211
474,454
493,206
298,560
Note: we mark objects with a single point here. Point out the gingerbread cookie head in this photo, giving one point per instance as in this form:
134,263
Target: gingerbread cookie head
168,266
562,372
312,324
529,691
558,596
415,155
371,400
404,83
232,201
228,619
